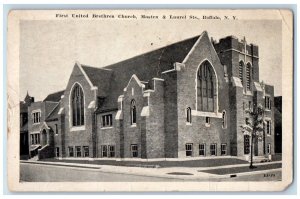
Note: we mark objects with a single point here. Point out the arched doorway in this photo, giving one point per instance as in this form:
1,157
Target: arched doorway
44,138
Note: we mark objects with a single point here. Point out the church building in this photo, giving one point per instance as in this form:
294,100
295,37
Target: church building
187,99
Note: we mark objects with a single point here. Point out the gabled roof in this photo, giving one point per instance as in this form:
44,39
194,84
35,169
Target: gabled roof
53,115
145,67
112,79
54,97
100,78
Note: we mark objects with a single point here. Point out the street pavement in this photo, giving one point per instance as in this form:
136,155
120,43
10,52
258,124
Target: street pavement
62,172
50,173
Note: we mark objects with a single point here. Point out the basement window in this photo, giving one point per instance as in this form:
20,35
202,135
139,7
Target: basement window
189,150
86,151
213,149
202,149
71,151
78,151
134,150
223,149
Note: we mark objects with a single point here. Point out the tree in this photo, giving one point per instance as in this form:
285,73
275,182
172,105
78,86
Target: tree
254,126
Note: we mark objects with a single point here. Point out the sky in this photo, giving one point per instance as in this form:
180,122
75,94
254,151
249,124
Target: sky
49,49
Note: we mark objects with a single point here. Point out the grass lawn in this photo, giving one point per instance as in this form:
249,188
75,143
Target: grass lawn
187,163
243,169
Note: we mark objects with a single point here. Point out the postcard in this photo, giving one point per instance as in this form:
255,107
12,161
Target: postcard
150,100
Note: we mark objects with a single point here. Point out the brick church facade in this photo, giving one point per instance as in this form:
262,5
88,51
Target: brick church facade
186,99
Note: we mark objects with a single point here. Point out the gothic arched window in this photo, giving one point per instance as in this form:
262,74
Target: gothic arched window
133,112
77,106
206,81
241,71
248,76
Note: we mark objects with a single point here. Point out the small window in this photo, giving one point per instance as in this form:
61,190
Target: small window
37,138
133,112
85,151
268,126
71,151
189,149
224,120
56,129
223,149
57,151
202,149
111,151
107,120
269,149
78,151
104,151
207,120
32,138
134,150
188,115
250,106
36,117
213,149
267,103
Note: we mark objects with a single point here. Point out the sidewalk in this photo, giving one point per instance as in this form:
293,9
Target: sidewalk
185,173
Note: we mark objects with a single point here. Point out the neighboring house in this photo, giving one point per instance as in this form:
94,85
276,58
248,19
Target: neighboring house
24,142
187,99
278,124
38,112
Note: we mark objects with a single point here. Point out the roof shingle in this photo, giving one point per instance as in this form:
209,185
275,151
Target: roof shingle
112,79
145,67
54,97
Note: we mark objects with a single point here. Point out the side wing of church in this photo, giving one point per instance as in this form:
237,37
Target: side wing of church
188,99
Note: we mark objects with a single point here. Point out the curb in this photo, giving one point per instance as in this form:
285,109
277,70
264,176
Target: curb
192,177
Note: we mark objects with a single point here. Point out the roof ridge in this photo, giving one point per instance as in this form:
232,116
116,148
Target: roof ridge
57,92
93,67
61,91
161,48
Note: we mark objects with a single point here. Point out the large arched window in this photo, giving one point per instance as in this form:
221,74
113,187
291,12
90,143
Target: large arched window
133,112
248,76
77,106
206,82
241,71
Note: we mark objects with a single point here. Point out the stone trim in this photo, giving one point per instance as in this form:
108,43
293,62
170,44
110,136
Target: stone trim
206,114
